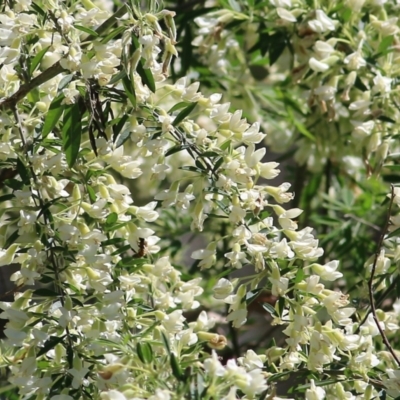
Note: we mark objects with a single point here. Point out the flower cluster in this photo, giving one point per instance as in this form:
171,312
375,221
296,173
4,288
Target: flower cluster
108,161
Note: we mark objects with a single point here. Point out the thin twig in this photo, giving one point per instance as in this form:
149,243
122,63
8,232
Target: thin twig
46,220
371,280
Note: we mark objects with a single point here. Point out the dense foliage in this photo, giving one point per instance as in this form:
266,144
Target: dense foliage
161,254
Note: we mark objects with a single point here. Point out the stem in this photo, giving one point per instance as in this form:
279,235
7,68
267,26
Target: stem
53,261
371,280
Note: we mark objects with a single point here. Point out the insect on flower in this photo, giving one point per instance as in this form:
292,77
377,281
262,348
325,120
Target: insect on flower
142,251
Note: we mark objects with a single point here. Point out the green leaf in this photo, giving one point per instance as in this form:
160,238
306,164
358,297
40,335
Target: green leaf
72,132
64,81
277,45
113,241
281,305
165,342
176,149
37,59
92,194
176,368
393,167
50,344
395,233
129,90
121,250
209,154
117,77
11,239
225,145
117,126
145,352
218,163
6,197
113,34
38,9
14,184
252,295
191,169
53,115
384,118
146,75
178,106
385,43
359,84
267,307
303,130
112,219
187,50
23,171
299,276
45,293
123,137
86,30
183,114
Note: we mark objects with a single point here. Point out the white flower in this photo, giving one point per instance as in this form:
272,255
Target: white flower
392,382
317,66
328,271
253,134
207,256
382,84
321,23
238,317
355,60
7,256
222,289
251,360
281,3
286,15
112,395
212,366
160,395
323,49
315,393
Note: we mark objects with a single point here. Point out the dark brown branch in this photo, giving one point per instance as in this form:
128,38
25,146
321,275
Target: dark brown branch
45,76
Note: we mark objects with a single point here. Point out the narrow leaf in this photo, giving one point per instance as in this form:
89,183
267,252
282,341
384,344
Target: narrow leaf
176,368
64,81
267,307
303,130
113,34
175,149
6,197
22,171
45,293
123,137
50,344
53,115
72,132
144,352
129,90
86,30
37,59
178,106
165,342
146,75
117,77
183,114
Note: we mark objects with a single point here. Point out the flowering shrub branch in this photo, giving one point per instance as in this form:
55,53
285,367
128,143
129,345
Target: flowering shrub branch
112,161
